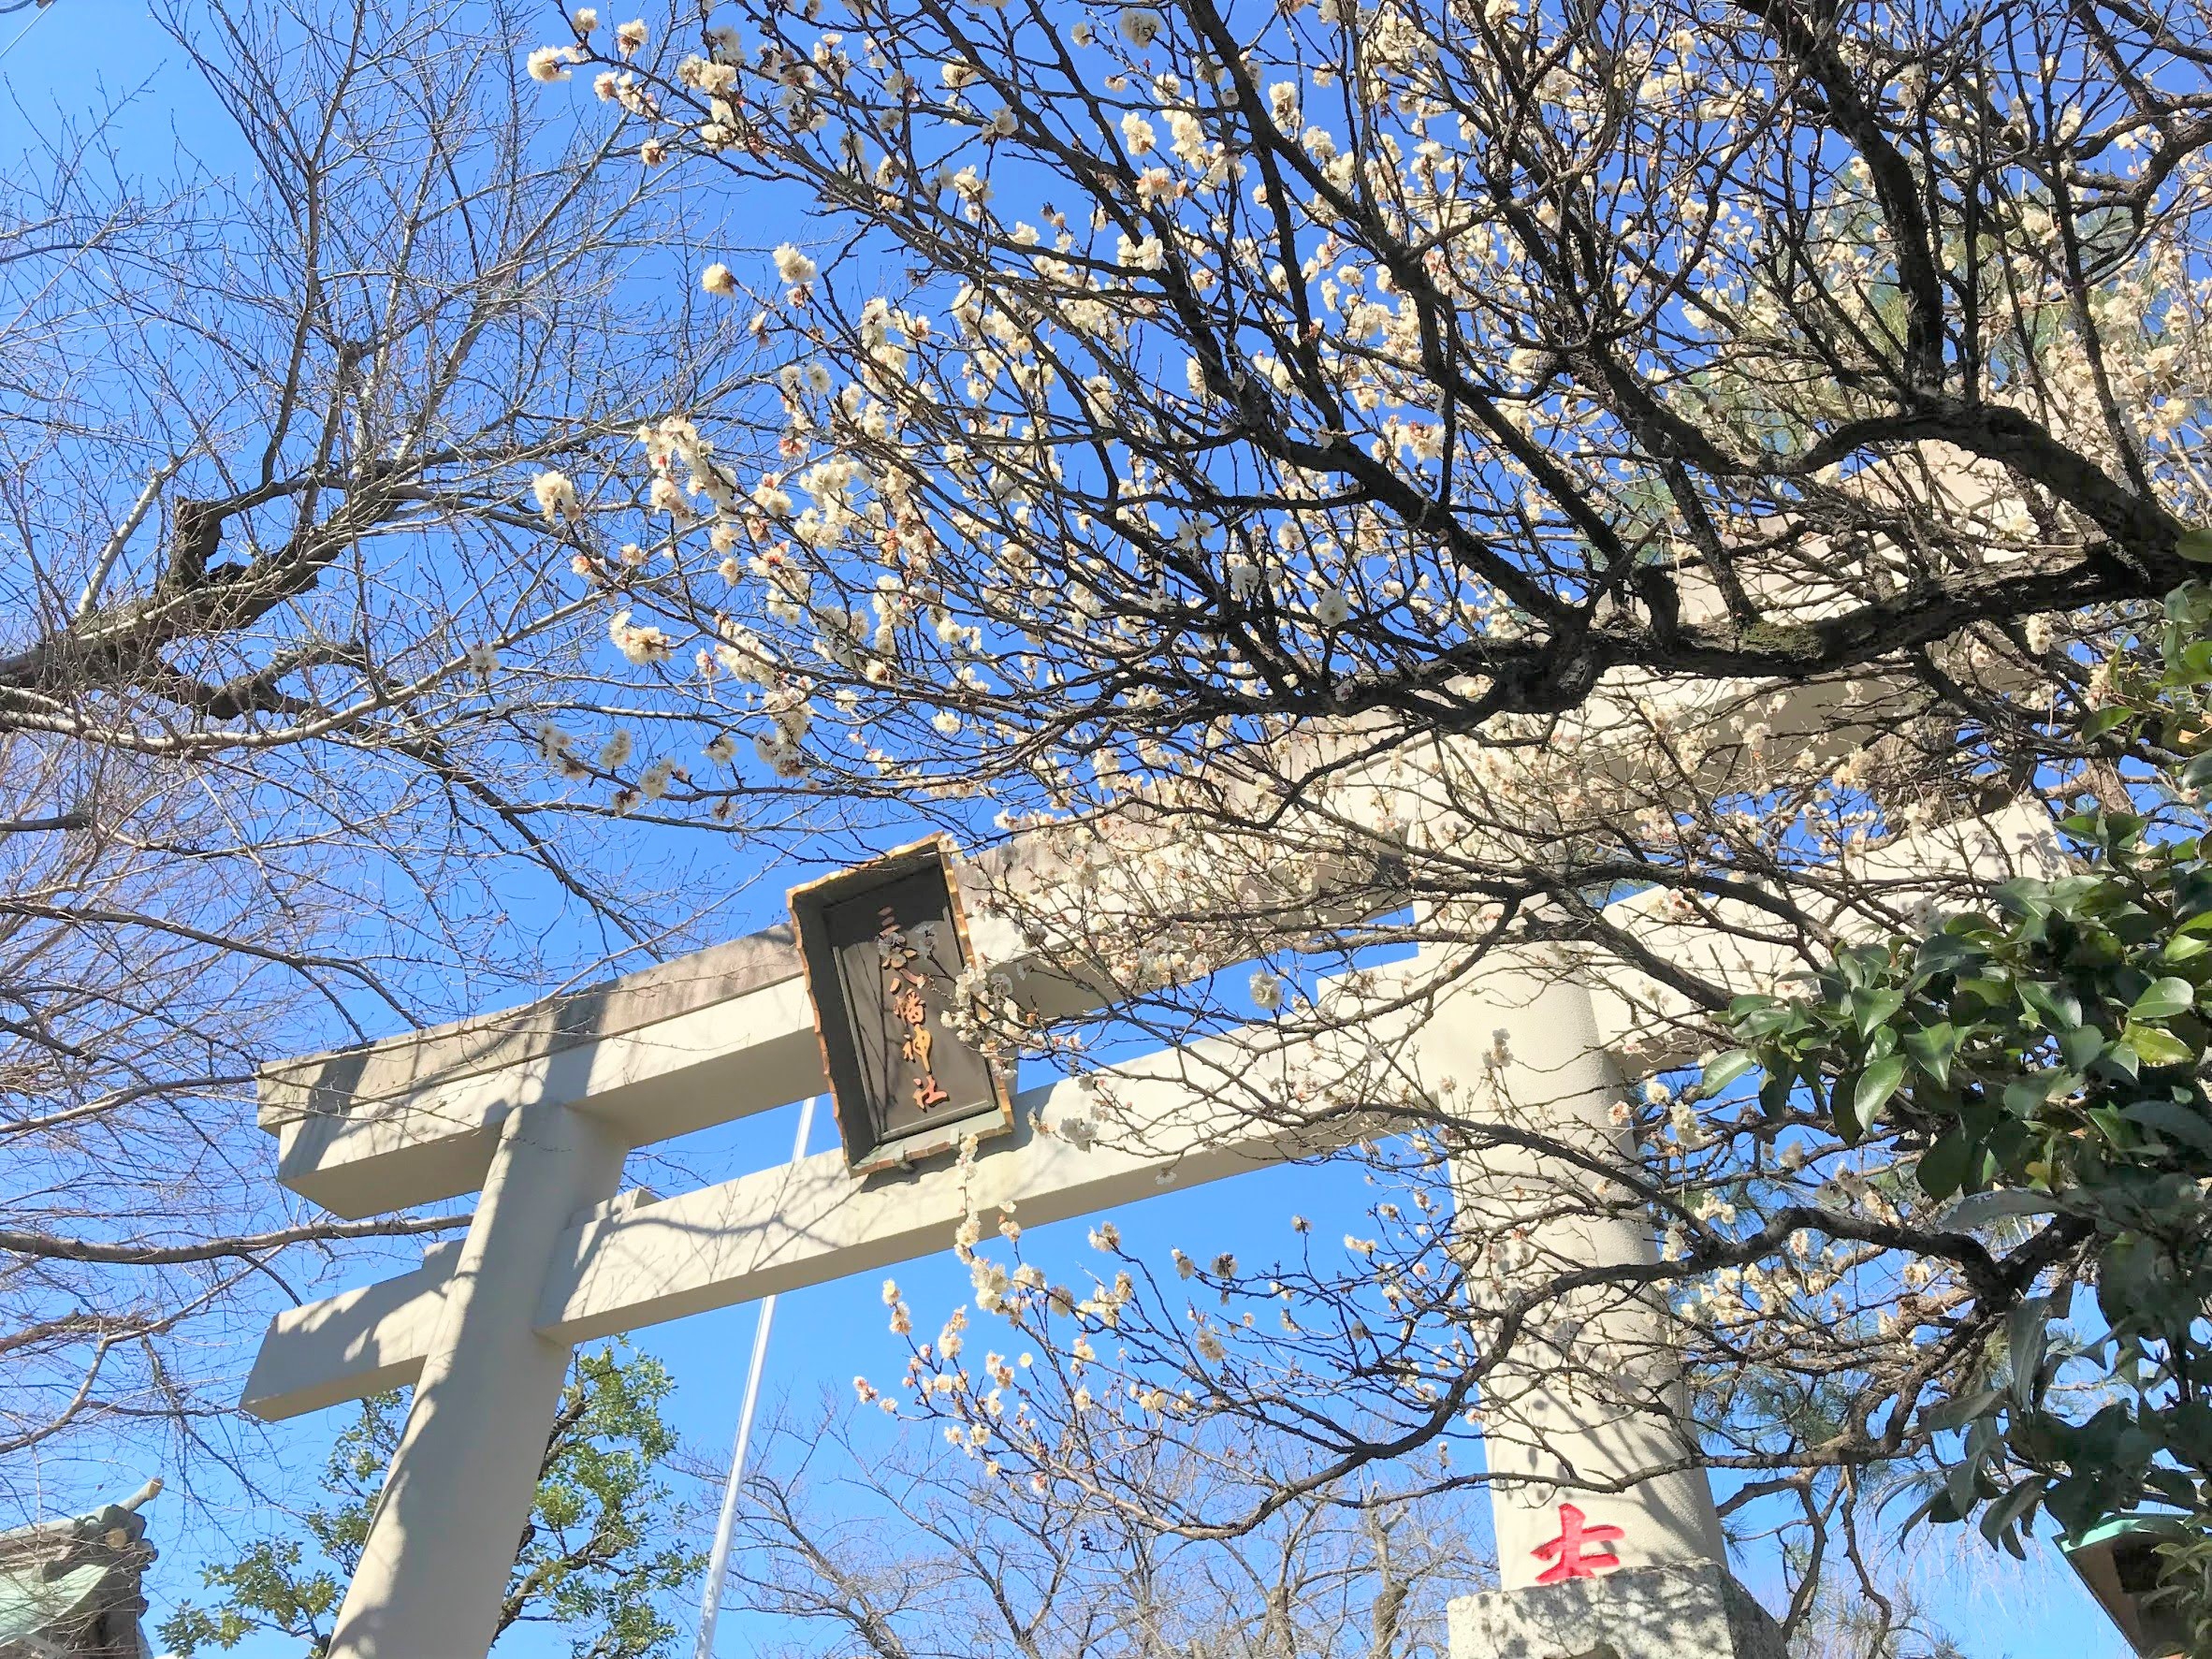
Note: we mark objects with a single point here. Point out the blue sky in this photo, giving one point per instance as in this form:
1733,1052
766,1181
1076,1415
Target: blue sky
78,52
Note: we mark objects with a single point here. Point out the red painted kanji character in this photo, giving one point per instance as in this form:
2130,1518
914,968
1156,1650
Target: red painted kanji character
1567,1547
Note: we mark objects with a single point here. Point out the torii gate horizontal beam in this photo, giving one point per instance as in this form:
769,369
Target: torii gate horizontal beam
724,1031
640,1260
713,1036
735,1041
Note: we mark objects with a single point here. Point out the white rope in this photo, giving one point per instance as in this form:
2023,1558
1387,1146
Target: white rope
711,1602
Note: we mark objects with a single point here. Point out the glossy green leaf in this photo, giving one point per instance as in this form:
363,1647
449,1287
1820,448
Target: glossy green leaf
2184,948
2159,1047
1876,1083
1932,1047
2165,999
2174,1120
2024,1341
2056,1006
1870,1008
1728,1067
1944,1167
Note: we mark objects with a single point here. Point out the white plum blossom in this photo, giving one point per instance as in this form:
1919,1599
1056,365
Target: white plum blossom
1138,26
556,495
793,265
719,279
640,642
1266,989
1144,253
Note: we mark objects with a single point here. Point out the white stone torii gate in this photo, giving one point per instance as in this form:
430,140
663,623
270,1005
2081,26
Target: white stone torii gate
537,1108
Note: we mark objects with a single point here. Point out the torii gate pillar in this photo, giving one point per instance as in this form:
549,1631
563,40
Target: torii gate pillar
1591,1560
1591,1389
441,1543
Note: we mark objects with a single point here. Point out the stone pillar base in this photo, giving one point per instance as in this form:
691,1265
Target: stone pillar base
1692,1611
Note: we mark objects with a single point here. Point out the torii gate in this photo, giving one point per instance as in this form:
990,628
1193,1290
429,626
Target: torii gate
538,1107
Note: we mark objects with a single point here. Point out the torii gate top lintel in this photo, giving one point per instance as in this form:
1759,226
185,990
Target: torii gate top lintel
413,1119
679,1046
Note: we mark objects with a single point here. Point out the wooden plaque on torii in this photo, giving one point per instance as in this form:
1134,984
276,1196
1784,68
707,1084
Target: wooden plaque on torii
883,945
